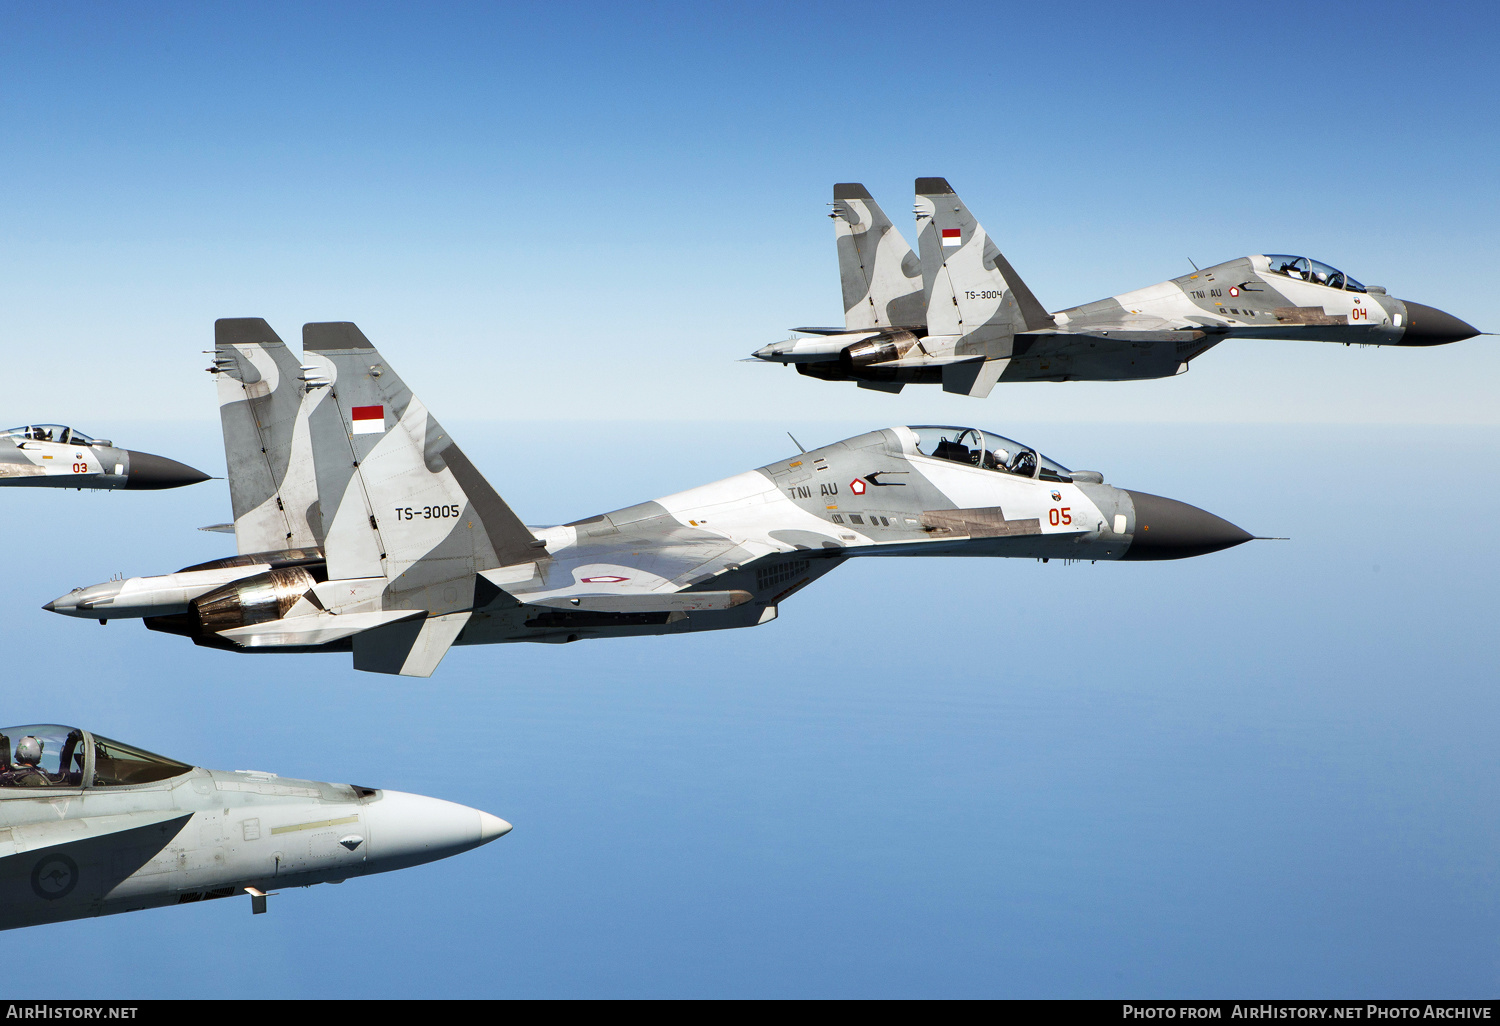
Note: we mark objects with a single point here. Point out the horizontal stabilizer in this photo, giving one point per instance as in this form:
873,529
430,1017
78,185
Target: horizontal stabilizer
219,528
315,628
973,377
822,331
411,648
644,602
48,833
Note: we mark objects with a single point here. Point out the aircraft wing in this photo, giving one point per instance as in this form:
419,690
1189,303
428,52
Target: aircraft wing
315,628
35,836
1042,338
609,588
645,601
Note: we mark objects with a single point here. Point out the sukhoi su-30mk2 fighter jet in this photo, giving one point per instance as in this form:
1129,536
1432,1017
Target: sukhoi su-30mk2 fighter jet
56,456
91,827
363,527
962,317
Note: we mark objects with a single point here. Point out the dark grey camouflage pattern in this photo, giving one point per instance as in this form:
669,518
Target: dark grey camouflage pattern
267,448
420,553
983,325
880,275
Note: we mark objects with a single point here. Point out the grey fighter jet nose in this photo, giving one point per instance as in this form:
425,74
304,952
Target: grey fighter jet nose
1168,529
409,829
1428,327
491,827
148,471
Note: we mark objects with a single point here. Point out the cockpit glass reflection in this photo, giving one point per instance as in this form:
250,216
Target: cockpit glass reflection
986,450
47,433
41,755
116,765
1314,271
50,755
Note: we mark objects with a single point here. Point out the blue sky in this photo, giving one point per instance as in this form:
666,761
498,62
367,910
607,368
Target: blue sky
629,200
1266,771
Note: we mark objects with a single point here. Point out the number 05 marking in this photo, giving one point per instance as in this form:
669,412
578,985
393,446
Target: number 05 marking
1057,517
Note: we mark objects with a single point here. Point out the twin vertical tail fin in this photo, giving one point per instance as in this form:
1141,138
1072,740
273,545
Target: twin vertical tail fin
880,275
971,288
272,489
400,500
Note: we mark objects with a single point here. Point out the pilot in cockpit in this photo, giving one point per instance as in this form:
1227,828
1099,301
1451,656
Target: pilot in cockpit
995,459
28,771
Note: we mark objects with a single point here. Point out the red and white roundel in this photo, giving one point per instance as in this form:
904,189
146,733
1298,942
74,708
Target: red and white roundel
857,486
1233,291
604,580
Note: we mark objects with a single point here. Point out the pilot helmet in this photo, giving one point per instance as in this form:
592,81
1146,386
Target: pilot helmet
29,750
1002,456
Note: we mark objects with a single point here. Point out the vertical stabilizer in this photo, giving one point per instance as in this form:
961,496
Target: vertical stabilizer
272,488
881,276
972,291
399,498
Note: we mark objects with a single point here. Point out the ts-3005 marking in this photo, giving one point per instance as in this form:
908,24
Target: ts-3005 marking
426,512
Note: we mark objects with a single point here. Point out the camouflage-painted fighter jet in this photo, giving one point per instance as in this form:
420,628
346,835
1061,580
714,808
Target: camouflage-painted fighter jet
362,526
962,317
55,456
91,827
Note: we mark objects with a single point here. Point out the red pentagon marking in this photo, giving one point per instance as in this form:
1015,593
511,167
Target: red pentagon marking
857,486
604,580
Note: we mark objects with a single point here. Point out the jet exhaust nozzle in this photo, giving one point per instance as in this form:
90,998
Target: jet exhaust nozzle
1168,529
259,599
881,348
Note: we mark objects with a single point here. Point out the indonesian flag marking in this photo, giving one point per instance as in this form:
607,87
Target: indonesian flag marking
857,486
368,420
952,237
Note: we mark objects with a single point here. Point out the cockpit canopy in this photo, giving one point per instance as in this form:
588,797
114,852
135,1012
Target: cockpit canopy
48,755
1313,271
985,450
51,433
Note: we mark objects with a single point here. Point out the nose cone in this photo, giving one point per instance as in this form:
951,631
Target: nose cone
491,827
1428,327
1168,529
148,471
81,601
409,829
